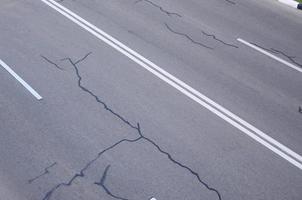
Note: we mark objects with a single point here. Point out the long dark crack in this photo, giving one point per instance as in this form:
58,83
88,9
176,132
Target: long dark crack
160,8
102,184
139,137
187,36
275,51
219,40
106,107
46,171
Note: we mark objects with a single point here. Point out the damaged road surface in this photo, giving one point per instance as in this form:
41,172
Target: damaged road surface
150,100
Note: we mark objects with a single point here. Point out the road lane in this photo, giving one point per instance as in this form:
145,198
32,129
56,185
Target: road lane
252,87
187,90
74,127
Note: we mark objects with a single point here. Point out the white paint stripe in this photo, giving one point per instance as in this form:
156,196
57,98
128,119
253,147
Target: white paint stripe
18,78
270,55
206,102
290,3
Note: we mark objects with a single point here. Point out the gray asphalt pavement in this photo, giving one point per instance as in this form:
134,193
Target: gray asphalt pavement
107,128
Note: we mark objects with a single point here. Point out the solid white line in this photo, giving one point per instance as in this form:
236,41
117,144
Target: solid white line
18,78
201,99
270,55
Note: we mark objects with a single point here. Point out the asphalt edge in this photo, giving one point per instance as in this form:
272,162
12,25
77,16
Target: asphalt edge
292,4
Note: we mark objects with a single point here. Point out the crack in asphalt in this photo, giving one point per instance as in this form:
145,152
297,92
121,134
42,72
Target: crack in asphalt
275,51
46,171
102,184
231,2
219,40
60,1
48,60
85,168
187,36
159,7
140,137
106,107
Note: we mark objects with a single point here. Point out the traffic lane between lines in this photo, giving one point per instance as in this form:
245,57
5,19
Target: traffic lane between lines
144,95
266,92
265,22
239,20
190,92
62,122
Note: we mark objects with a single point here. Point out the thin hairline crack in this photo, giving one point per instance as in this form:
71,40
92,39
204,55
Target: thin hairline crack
275,51
187,36
136,127
46,171
231,2
159,7
51,62
219,40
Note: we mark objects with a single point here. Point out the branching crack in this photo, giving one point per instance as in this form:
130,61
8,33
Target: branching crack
102,184
140,137
160,8
219,40
275,51
46,171
187,36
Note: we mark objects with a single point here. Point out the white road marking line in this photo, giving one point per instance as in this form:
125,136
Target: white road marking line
153,198
270,55
18,78
290,3
190,92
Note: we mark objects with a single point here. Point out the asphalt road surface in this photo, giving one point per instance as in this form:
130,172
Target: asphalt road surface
142,99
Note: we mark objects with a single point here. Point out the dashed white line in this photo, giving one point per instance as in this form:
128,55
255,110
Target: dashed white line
187,90
18,78
270,55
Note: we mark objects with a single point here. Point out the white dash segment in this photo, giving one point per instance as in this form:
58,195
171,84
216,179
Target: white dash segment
291,3
18,78
270,55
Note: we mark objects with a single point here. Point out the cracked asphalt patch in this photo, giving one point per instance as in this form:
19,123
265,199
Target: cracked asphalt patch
219,40
140,138
187,37
160,8
199,43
